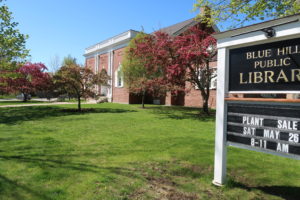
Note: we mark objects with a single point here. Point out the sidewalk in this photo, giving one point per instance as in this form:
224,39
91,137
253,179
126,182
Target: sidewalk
38,104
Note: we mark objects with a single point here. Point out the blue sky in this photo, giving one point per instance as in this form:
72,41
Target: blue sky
62,27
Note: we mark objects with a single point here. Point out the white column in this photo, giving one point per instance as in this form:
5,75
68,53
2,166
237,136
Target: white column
220,137
96,70
96,62
109,71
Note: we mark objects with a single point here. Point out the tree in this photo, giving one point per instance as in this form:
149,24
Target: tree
31,78
12,42
69,60
79,81
141,69
54,63
163,63
195,49
240,11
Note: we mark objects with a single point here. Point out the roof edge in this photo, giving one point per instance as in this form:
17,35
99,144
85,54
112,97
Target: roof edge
257,26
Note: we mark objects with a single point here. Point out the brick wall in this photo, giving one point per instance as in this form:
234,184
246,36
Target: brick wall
103,62
120,94
90,63
194,98
168,99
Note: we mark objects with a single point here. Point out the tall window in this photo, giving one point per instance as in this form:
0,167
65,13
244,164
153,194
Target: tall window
119,82
213,81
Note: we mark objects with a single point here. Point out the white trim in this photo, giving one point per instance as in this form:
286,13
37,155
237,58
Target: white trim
117,77
111,43
214,80
254,27
287,31
264,92
107,50
109,71
220,137
96,56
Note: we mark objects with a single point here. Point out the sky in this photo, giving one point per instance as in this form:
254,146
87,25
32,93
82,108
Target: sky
58,28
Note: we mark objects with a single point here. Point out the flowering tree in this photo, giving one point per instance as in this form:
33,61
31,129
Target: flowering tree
79,81
195,49
142,70
161,62
30,78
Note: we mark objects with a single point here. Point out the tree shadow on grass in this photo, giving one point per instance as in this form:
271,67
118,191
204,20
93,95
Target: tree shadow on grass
10,186
178,112
16,190
286,192
19,114
155,174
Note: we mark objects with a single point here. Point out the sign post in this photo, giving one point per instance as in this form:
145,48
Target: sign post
220,141
251,63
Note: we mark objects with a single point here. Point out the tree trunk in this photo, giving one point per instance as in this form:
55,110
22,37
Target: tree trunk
25,97
206,92
79,103
205,106
205,96
143,99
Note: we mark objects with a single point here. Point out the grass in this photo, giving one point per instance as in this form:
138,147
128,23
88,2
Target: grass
124,152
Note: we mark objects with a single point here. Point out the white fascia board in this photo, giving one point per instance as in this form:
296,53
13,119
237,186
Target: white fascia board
289,28
111,43
287,31
106,50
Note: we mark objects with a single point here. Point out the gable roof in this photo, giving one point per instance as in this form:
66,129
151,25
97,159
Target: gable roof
180,27
125,37
176,29
258,27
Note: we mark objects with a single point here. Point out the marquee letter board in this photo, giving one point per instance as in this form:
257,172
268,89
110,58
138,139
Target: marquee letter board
267,127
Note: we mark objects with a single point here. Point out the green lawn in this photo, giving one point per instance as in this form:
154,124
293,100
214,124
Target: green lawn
124,152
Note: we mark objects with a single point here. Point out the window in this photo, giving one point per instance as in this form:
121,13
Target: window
213,81
119,82
103,90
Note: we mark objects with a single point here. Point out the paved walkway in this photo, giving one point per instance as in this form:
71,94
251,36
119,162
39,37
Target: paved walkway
33,99
38,104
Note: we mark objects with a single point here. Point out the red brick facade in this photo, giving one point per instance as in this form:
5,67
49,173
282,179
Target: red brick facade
120,94
109,56
103,62
90,63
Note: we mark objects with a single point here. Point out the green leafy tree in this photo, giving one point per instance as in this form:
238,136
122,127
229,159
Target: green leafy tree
238,12
79,81
133,69
69,60
12,42
141,71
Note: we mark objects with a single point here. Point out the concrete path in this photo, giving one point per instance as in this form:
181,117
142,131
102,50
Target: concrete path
38,104
33,99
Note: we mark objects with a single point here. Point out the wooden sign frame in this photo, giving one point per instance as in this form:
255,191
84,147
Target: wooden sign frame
287,28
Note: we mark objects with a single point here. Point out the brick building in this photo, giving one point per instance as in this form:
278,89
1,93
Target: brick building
108,55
